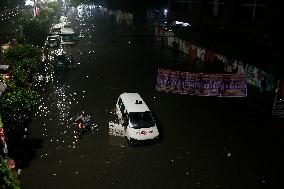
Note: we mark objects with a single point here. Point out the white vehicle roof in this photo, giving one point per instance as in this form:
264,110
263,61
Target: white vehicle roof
131,102
65,23
54,36
63,18
4,67
57,26
67,31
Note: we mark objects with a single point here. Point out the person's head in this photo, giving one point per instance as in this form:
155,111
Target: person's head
84,113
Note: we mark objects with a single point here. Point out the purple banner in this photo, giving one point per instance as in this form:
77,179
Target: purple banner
197,84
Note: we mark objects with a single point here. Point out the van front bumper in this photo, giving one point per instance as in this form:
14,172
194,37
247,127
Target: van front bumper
134,142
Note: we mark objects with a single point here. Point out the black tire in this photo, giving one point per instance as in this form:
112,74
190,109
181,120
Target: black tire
132,142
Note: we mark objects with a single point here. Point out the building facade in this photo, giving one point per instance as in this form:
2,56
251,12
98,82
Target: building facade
257,16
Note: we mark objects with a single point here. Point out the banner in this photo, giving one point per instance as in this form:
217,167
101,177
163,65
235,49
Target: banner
198,84
162,80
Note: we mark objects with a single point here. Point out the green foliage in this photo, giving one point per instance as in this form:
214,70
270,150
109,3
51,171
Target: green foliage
26,55
75,3
52,5
21,58
18,102
6,179
34,29
20,77
8,4
17,106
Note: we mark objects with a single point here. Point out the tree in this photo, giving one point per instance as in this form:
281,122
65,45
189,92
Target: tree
23,52
6,179
35,29
9,4
18,102
22,58
17,106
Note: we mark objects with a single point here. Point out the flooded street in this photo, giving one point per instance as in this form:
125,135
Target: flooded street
206,142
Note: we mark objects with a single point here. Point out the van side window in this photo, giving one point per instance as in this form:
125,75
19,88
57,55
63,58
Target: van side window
119,102
125,119
122,109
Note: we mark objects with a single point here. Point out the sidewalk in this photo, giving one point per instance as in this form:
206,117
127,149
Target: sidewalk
182,62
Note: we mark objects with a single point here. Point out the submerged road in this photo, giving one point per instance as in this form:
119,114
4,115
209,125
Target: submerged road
207,142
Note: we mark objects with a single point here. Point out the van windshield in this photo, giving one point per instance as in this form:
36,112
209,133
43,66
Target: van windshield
141,119
67,38
4,69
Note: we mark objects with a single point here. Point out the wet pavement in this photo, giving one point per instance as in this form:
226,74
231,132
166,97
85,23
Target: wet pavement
206,143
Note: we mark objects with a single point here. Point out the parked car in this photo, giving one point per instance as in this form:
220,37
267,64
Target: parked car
56,29
63,62
68,37
5,72
53,41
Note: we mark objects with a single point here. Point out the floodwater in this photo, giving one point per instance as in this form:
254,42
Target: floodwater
206,142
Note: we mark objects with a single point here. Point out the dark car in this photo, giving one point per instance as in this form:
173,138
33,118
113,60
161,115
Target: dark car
5,72
63,62
53,41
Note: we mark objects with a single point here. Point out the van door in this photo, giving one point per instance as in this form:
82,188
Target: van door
118,109
125,123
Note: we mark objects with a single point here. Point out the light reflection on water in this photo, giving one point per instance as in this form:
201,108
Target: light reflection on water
57,125
54,112
56,106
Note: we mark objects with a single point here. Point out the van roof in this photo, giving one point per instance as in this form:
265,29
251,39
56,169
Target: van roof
130,102
4,67
67,31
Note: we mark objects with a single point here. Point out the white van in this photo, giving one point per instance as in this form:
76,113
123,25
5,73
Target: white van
68,36
136,118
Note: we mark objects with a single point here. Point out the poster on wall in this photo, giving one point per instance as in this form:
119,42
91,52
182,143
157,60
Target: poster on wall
174,82
259,78
162,80
211,85
234,85
189,83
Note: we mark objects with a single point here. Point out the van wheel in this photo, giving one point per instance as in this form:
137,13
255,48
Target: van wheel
132,142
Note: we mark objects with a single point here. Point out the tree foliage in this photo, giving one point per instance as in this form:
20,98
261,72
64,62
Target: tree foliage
10,4
6,178
35,29
27,55
17,106
22,58
18,102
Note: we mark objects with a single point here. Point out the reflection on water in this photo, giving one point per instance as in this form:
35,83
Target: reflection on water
54,116
55,108
57,123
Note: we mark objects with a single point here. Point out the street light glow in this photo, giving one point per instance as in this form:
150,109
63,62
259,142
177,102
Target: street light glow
165,11
29,2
